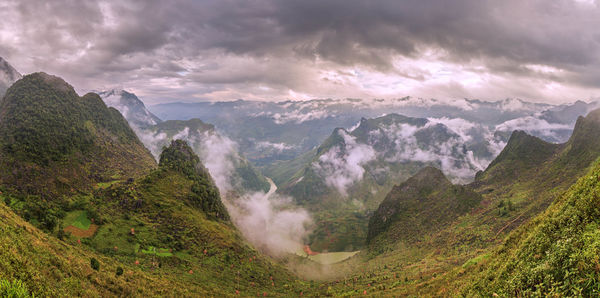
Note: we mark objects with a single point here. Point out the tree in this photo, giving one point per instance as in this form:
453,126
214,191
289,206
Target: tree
95,264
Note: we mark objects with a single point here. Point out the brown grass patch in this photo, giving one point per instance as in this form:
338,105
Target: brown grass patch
77,232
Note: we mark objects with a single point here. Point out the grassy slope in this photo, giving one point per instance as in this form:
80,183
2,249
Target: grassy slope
423,204
50,267
165,210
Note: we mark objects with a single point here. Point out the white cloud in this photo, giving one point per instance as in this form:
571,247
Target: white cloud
279,147
534,126
341,167
270,222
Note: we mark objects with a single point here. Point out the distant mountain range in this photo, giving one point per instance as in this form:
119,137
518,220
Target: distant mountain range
271,131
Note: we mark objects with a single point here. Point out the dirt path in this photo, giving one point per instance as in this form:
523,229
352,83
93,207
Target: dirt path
82,233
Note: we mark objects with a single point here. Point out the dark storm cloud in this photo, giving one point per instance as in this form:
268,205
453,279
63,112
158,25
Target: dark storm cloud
286,44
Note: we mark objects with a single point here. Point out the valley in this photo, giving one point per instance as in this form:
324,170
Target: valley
100,196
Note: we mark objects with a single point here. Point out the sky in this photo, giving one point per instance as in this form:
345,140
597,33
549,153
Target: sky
220,50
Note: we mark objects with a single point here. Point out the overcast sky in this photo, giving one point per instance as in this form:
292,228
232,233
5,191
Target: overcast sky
547,51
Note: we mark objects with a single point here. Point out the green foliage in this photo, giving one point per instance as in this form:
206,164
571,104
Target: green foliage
420,205
13,289
180,157
556,254
53,142
95,264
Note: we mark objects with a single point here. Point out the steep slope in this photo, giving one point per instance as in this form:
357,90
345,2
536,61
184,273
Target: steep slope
8,75
167,229
521,154
130,106
51,267
541,256
53,142
555,254
230,169
175,221
424,203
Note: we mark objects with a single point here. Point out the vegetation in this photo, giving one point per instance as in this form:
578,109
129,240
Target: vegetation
421,205
94,264
554,255
55,143
527,226
180,157
13,289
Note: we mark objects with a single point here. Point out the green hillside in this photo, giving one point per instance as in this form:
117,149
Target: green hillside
547,251
423,204
167,229
53,142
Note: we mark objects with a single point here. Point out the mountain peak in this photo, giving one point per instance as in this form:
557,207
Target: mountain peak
420,205
132,108
180,157
47,128
178,154
8,75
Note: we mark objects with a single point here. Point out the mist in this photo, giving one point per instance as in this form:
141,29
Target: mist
271,222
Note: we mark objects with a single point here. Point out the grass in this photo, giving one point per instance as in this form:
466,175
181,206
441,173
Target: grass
78,219
160,252
329,258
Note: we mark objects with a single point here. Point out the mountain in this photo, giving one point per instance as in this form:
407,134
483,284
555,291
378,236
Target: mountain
130,106
531,233
54,142
269,132
425,202
8,75
229,168
554,254
349,174
166,229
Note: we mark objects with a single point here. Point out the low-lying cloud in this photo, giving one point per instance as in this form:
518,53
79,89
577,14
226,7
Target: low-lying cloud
341,167
271,222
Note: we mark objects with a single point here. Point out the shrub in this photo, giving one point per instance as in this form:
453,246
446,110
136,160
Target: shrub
95,264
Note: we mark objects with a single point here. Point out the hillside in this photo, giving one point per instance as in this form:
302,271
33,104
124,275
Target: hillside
423,204
53,142
554,254
167,229
469,256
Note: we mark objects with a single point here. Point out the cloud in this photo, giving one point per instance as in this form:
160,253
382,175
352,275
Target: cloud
278,147
218,154
556,132
271,222
341,167
269,49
